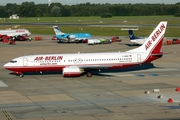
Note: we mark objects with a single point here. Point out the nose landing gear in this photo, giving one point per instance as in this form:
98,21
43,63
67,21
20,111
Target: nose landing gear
19,73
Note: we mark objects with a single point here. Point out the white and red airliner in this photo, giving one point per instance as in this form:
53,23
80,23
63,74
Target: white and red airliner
81,63
15,32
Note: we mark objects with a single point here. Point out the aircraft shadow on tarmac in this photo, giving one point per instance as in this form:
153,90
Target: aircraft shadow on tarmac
132,45
144,66
171,107
129,44
67,42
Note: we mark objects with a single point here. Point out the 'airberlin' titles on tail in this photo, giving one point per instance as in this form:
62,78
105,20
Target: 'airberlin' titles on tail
154,42
155,36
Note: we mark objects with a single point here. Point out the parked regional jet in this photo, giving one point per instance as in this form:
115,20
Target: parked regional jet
134,39
83,63
70,37
15,32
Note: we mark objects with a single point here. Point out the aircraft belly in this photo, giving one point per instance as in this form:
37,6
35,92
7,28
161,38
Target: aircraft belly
123,66
35,68
107,66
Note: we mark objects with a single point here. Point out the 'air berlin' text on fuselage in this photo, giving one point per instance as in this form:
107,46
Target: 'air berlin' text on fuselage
40,58
155,36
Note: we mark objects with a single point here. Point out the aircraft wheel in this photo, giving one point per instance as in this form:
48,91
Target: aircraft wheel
21,75
89,74
41,72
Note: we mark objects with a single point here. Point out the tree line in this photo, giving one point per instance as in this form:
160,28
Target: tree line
30,9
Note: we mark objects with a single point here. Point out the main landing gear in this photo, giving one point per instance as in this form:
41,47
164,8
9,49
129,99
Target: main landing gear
89,74
21,75
41,72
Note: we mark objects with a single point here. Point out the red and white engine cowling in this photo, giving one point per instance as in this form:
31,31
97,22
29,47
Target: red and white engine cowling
71,72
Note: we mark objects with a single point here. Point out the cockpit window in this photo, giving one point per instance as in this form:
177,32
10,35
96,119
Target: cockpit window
13,61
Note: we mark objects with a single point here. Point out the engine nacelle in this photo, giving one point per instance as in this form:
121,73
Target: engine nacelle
71,72
71,36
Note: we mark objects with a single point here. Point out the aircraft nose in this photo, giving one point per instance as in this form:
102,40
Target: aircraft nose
6,65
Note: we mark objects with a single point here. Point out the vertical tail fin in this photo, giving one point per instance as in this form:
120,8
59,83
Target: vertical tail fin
131,34
154,42
57,30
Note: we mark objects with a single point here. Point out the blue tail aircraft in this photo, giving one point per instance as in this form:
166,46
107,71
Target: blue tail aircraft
134,39
70,37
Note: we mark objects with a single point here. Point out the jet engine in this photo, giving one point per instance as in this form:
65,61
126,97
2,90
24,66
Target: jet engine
71,36
71,71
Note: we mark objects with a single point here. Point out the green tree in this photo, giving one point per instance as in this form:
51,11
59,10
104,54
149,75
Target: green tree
30,9
3,12
38,12
46,12
28,4
10,8
55,11
106,15
66,12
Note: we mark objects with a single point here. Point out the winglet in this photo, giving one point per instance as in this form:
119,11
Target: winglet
154,42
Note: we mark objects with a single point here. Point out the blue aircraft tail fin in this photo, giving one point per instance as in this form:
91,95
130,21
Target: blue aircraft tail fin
57,30
131,35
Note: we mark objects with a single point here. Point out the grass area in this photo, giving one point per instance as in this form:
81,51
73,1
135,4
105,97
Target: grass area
150,22
96,20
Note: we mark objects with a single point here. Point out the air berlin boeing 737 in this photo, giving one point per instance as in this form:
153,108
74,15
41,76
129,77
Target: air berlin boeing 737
80,63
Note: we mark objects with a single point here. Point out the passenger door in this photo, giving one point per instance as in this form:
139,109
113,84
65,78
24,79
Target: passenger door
139,58
25,61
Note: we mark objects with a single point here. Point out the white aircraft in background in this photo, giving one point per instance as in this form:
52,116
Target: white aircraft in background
134,39
15,32
80,63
